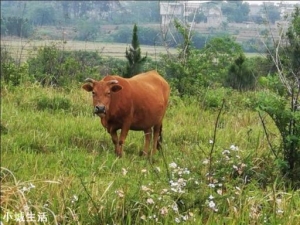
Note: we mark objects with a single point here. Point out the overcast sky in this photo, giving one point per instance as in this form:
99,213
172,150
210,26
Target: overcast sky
260,2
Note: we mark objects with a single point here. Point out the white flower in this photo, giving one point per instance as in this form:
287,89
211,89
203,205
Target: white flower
157,169
211,197
31,186
173,165
235,167
211,204
145,188
211,141
120,193
226,152
205,161
150,201
185,218
124,171
175,207
279,211
177,220
211,185
278,200
75,198
143,217
234,148
164,211
186,171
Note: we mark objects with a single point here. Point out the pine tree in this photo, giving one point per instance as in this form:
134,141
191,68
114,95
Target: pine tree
133,55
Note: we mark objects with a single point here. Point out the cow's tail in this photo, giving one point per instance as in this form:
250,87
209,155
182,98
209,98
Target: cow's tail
160,138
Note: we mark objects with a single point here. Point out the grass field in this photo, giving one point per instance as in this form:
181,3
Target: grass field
23,48
58,165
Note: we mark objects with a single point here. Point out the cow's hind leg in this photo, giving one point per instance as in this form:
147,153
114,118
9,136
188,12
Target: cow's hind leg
157,130
148,134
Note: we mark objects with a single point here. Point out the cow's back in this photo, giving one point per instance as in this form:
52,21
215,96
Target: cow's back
150,94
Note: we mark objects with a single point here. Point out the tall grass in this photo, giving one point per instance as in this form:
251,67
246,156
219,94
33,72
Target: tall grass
58,165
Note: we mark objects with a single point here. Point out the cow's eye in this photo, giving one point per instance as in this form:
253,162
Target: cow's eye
108,93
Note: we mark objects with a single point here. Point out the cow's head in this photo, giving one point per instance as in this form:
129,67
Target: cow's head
102,92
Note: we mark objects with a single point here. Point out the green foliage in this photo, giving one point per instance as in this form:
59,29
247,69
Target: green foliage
146,35
43,14
84,182
292,51
53,66
11,72
86,30
272,12
283,105
122,35
193,68
240,77
16,26
288,123
133,56
236,11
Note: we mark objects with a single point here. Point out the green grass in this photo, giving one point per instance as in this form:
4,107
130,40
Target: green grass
57,159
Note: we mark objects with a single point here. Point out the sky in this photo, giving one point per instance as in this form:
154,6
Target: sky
260,2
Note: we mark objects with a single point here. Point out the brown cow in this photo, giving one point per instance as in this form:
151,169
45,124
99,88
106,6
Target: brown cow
137,103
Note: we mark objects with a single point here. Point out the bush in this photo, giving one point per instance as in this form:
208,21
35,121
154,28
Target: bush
11,72
53,66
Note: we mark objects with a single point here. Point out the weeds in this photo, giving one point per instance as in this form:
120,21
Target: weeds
60,164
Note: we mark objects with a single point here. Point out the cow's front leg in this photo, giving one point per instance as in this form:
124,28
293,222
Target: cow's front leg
123,135
115,140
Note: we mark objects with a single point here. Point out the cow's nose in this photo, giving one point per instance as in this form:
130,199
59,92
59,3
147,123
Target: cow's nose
99,109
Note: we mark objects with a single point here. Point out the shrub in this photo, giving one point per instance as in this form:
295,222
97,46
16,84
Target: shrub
53,66
11,72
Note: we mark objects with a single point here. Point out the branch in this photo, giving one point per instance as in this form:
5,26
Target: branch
267,134
214,138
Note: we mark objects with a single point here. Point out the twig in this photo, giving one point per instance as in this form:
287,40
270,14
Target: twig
214,138
85,189
267,135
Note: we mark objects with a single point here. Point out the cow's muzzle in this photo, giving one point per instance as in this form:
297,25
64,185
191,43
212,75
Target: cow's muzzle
99,109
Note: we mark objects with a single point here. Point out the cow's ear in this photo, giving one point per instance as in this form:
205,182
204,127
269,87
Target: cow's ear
88,87
116,88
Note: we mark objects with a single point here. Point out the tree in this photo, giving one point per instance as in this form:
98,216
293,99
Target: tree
283,105
240,77
272,12
44,14
133,55
236,11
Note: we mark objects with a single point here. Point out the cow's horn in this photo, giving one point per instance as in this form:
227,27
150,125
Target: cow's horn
113,82
90,80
